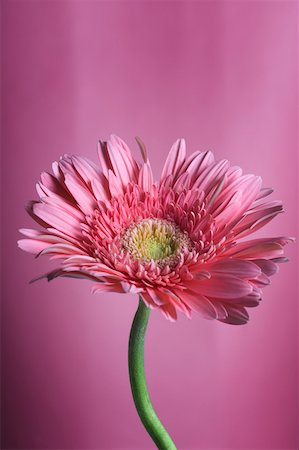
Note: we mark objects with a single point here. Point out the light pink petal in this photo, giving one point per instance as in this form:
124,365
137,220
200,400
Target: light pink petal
57,219
169,311
157,298
229,210
182,182
52,186
107,287
80,258
115,186
83,196
264,192
30,233
44,236
66,166
199,303
74,239
215,191
87,170
63,249
64,206
130,163
147,300
100,270
254,220
259,248
220,286
32,245
213,173
130,288
250,300
118,164
30,209
145,180
57,172
236,267
100,189
163,296
115,155
196,164
175,159
248,186
250,191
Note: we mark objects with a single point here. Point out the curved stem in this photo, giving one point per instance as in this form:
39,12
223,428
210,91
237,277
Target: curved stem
138,382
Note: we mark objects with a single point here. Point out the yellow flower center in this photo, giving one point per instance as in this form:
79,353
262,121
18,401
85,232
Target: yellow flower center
154,239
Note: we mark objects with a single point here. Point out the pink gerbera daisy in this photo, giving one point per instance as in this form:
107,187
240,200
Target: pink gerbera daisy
176,242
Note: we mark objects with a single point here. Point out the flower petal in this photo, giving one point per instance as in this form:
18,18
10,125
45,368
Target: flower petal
175,159
83,196
236,267
220,286
237,315
145,179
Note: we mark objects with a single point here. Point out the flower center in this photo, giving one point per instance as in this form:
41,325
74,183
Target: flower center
155,239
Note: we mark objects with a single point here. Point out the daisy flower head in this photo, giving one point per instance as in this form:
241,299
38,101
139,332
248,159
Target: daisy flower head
177,242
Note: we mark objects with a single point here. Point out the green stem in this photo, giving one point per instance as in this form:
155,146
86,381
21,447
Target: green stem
138,382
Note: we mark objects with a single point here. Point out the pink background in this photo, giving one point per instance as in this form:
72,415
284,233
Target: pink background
222,75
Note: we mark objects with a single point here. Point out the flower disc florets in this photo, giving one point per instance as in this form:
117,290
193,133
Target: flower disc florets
175,242
155,240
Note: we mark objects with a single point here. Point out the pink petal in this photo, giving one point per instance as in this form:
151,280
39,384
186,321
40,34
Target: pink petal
115,155
237,267
264,192
30,233
259,248
145,180
206,180
107,287
100,189
104,158
130,163
157,298
254,220
237,315
114,185
32,245
83,197
62,249
86,169
267,266
220,286
57,219
175,159
169,311
64,206
199,303
196,164
250,300
53,186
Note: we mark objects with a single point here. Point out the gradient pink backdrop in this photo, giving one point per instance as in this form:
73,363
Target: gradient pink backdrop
221,74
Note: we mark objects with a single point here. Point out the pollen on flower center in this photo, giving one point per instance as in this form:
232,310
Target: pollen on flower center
155,239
